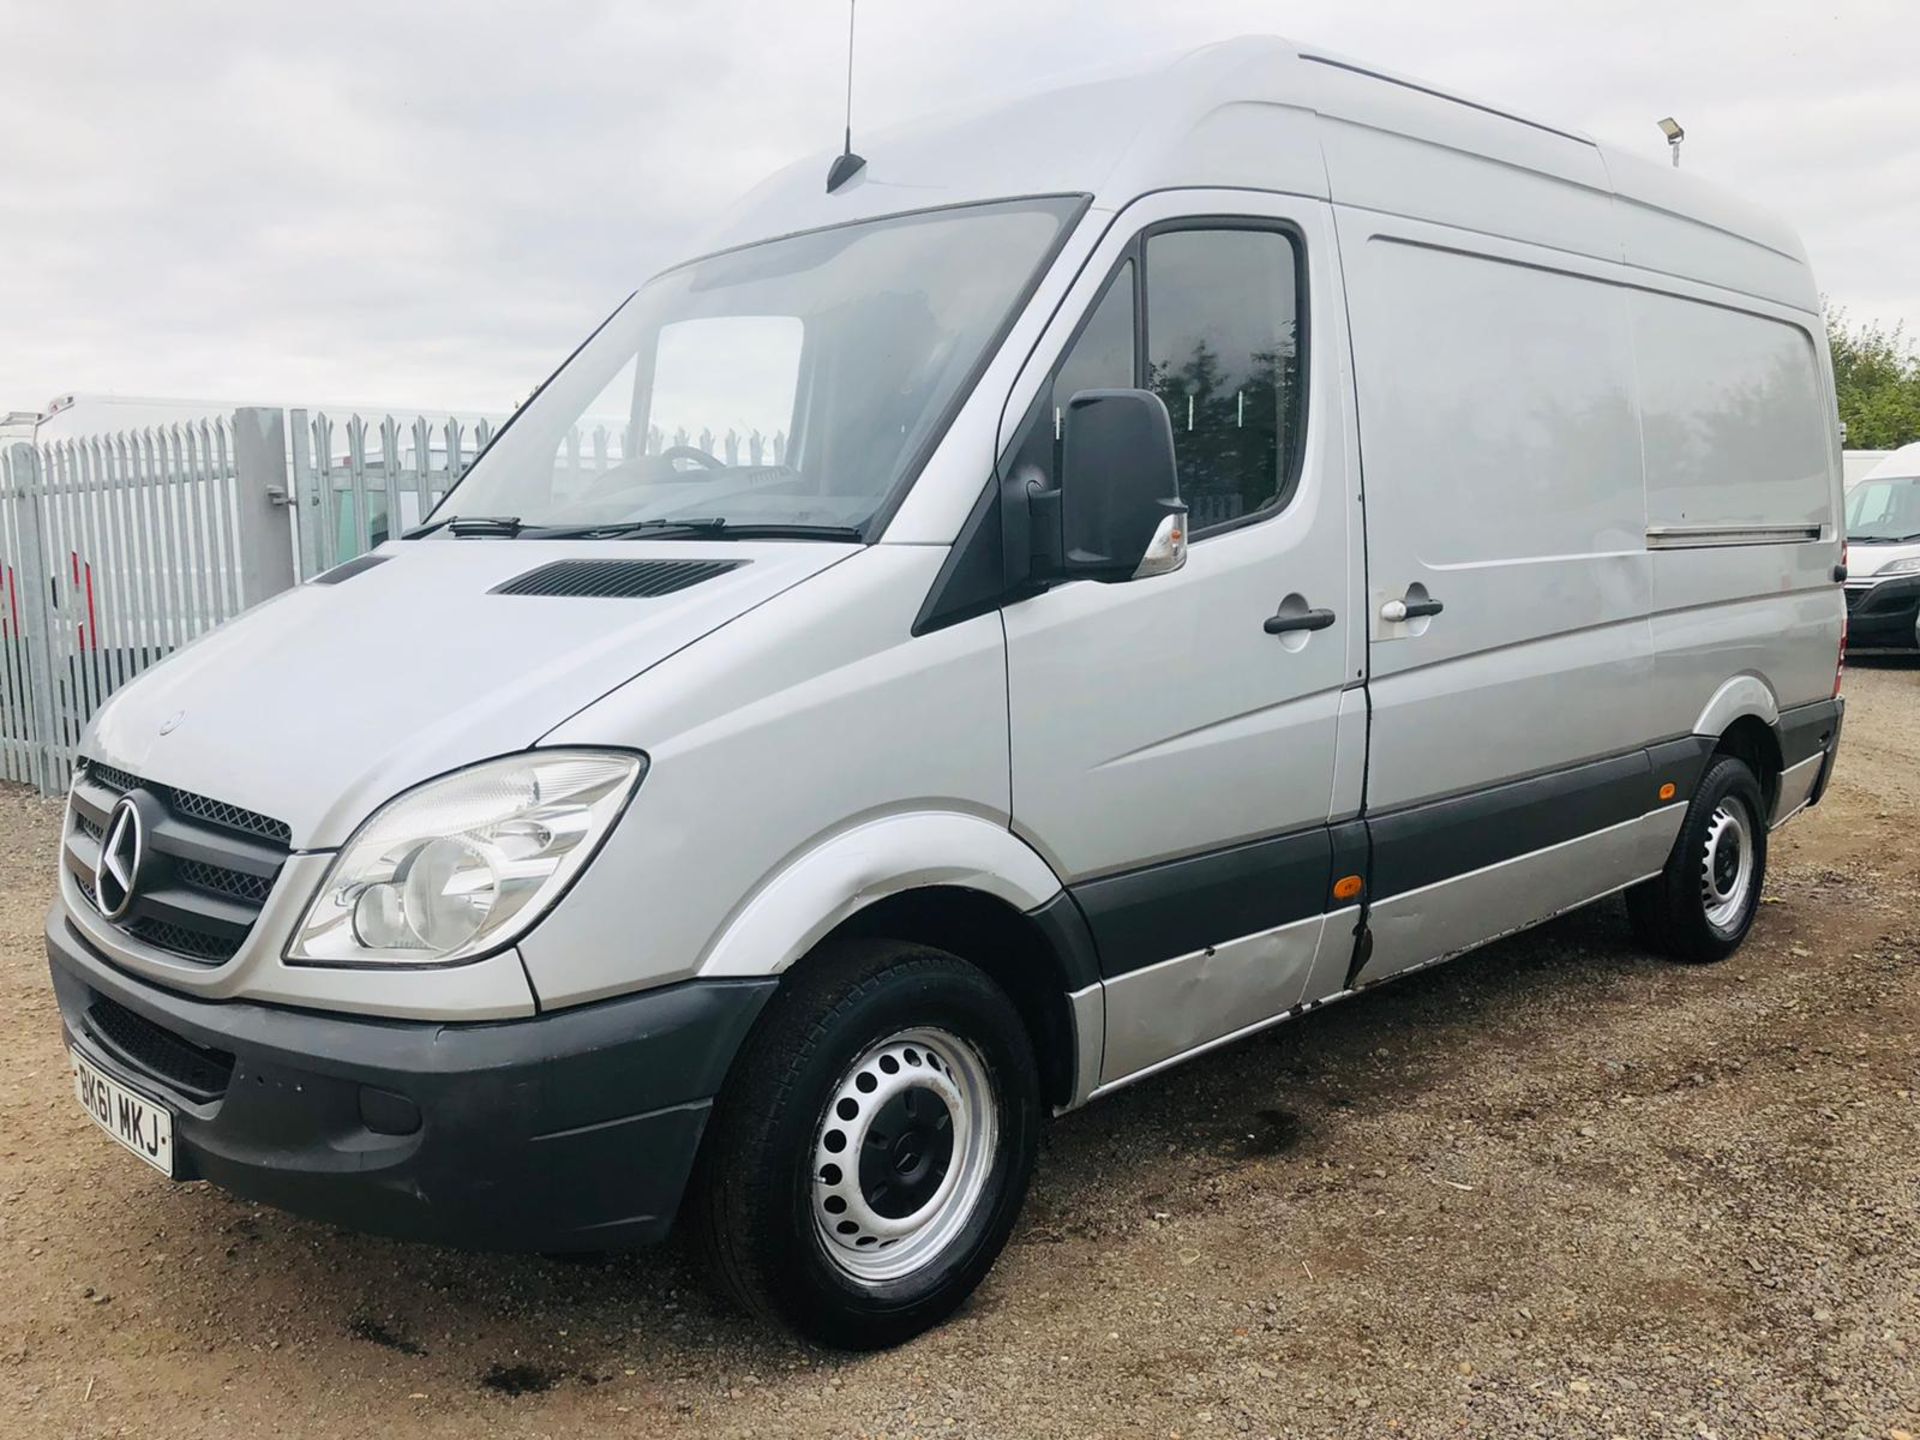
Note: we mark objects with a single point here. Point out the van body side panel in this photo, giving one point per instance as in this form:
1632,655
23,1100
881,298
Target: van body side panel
1672,224
1502,476
1740,473
1733,408
1401,149
1443,919
1507,772
1177,1005
817,717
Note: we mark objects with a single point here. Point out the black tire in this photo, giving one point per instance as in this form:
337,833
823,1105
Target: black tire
752,1210
1672,913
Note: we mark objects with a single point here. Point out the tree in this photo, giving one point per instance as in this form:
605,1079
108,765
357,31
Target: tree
1877,377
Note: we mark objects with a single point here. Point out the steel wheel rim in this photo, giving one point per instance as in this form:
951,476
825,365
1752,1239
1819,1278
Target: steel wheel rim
902,1153
1726,865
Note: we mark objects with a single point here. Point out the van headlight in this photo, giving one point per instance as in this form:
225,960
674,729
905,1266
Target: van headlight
462,865
1909,566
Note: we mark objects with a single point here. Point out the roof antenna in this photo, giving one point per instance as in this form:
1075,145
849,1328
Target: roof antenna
846,164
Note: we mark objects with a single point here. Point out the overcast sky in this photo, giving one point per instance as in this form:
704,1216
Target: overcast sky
427,204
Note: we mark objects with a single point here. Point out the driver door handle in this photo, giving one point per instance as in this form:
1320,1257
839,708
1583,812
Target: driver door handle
1305,620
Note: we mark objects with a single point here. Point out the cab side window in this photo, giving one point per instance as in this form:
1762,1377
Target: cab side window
1220,346
1223,352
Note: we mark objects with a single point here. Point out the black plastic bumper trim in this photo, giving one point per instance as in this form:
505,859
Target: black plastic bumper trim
1833,752
1437,840
1179,906
1806,731
572,1130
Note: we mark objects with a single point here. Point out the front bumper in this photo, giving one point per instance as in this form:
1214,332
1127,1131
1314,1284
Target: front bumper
574,1130
1882,614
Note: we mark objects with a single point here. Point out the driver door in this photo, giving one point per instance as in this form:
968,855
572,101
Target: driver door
1174,739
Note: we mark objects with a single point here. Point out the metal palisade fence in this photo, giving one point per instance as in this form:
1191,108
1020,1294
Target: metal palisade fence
117,549
358,483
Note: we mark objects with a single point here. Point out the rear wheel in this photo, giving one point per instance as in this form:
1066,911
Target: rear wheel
868,1158
1700,907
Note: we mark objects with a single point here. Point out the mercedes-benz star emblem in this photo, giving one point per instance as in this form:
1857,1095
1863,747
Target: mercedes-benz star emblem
120,855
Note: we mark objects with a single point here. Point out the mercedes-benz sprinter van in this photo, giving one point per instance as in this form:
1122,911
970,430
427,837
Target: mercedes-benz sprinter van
1222,539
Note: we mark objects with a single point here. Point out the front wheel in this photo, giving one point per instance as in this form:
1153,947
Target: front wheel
868,1158
1700,907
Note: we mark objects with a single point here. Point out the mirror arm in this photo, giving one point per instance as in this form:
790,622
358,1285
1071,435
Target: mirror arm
1047,550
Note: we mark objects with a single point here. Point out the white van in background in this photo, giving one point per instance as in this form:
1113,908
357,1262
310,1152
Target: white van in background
1242,533
1883,554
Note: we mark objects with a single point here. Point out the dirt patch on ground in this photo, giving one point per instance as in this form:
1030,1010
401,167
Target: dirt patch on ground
1554,1188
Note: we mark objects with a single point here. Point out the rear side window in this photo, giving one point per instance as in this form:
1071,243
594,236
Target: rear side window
1223,352
1220,345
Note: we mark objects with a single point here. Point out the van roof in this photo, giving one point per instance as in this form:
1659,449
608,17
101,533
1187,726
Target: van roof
1901,464
1263,113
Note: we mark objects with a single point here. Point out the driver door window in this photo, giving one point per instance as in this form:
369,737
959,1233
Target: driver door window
1221,348
1223,352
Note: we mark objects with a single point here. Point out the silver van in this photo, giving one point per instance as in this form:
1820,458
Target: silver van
1236,535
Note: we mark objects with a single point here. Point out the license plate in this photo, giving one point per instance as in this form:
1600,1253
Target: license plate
135,1121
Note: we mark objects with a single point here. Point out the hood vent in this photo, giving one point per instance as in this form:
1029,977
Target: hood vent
350,569
615,579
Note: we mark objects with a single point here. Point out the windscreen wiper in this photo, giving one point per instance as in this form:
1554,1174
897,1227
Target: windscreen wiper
1883,539
712,526
507,525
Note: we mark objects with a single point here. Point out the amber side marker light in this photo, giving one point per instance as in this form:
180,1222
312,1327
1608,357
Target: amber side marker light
1667,791
1346,887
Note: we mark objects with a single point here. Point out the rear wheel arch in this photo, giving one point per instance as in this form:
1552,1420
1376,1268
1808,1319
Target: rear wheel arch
1755,741
1744,718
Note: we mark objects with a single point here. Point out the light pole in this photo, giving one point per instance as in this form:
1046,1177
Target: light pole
1670,128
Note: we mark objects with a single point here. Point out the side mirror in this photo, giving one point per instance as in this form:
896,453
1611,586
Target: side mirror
1121,517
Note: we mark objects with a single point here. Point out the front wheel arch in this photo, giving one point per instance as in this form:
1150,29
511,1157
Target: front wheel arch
1038,964
752,1210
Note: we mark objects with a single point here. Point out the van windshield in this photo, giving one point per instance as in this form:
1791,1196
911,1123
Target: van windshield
1884,510
791,385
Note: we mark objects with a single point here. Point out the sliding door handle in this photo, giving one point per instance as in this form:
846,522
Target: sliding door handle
1396,611
1305,620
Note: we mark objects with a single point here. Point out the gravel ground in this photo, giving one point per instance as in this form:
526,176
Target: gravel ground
1554,1188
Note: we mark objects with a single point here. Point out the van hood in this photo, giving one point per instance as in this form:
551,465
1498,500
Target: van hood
324,702
1870,557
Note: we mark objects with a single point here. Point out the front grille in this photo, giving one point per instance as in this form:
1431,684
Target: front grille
220,881
209,869
198,1072
198,807
1884,597
183,940
231,817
